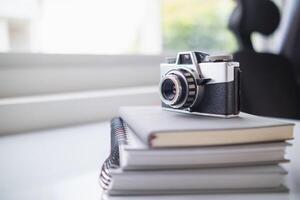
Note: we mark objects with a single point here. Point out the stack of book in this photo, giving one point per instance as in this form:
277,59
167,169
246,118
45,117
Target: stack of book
157,152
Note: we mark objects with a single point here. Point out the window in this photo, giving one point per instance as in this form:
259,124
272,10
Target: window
80,26
115,26
197,24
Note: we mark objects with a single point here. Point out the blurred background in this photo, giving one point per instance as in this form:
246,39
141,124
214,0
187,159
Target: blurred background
67,62
119,27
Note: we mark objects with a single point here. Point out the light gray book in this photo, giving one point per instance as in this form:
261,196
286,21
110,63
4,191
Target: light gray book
158,128
279,193
234,179
135,155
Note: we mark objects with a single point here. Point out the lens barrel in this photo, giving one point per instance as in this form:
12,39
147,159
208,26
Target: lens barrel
178,89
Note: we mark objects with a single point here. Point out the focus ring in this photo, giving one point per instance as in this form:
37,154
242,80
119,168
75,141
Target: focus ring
192,88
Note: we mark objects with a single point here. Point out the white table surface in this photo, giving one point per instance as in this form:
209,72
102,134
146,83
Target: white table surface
65,164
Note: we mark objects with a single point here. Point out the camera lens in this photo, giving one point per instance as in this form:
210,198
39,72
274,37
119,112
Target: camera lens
168,89
178,89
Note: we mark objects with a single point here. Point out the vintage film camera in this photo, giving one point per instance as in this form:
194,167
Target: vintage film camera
198,83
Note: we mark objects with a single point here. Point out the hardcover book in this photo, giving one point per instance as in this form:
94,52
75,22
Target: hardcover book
158,128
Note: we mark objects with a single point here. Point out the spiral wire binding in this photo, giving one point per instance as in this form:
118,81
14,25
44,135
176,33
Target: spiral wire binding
118,137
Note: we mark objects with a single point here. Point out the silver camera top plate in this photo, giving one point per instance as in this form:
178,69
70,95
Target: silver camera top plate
220,58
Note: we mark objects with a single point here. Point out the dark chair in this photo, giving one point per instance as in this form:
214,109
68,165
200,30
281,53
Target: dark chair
268,85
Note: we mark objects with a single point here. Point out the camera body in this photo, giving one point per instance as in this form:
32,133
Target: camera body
198,83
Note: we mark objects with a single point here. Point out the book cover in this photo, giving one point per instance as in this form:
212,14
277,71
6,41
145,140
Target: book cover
159,128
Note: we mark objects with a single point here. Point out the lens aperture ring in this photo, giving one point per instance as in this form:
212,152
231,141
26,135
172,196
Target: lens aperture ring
192,88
